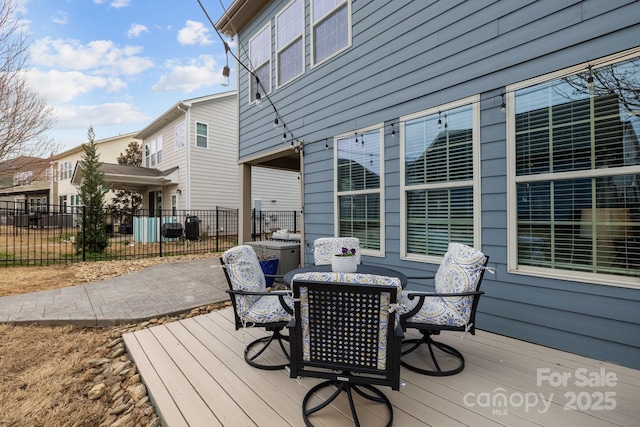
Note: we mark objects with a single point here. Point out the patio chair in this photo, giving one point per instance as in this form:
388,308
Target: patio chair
451,308
253,306
324,248
346,333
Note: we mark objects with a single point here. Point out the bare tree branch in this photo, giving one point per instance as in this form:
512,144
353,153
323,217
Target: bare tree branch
25,117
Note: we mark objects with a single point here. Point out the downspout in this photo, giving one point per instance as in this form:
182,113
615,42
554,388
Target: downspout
187,126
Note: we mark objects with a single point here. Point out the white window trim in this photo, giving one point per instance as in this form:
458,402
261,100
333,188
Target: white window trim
513,180
381,190
254,67
349,29
476,180
280,49
195,140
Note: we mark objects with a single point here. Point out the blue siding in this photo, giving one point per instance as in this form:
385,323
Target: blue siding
407,56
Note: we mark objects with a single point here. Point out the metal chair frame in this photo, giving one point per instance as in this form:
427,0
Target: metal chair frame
341,372
257,347
428,331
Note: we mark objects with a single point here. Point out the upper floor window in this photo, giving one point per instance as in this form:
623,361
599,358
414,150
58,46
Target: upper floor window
290,42
65,170
202,135
153,152
260,57
181,135
441,179
331,28
359,184
575,169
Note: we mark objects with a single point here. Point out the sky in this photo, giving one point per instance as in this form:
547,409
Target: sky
117,65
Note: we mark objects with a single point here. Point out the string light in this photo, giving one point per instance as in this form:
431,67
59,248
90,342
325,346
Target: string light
393,131
503,106
590,78
275,122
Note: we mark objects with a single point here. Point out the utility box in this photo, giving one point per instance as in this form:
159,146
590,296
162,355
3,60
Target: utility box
287,252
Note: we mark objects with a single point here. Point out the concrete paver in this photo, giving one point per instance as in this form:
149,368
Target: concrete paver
164,289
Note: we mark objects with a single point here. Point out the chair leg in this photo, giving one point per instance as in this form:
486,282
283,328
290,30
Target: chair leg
265,342
431,344
372,393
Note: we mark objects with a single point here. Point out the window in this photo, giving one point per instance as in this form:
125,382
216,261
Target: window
440,179
202,135
153,152
331,28
575,169
290,43
65,170
181,135
147,156
23,178
359,183
260,56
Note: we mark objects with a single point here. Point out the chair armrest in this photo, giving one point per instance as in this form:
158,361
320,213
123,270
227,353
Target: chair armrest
422,296
279,294
420,277
257,293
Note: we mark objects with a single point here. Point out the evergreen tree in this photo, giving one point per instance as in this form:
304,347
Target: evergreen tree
126,203
92,190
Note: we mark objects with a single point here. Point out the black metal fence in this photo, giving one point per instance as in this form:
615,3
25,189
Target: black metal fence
40,236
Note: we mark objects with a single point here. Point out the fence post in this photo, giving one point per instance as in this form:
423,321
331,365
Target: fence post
295,218
217,229
159,231
84,233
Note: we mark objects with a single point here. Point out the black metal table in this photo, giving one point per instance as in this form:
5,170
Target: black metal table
362,268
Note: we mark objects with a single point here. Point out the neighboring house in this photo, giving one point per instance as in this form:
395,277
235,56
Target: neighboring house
109,149
190,162
25,184
509,126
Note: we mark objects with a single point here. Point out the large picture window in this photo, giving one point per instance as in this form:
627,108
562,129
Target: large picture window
290,42
359,183
576,170
260,57
441,179
331,28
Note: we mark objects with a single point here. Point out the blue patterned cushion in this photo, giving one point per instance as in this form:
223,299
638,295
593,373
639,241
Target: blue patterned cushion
267,309
460,271
352,278
325,248
245,274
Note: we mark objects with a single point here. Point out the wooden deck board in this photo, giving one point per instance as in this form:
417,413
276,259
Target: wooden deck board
196,375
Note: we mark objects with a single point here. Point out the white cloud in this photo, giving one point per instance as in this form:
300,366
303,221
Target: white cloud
58,87
198,73
79,116
194,32
120,3
136,29
60,18
102,56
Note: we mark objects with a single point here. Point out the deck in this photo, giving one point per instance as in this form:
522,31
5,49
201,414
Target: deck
196,376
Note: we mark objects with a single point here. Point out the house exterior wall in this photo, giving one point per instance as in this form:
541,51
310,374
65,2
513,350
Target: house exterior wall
208,177
109,150
408,56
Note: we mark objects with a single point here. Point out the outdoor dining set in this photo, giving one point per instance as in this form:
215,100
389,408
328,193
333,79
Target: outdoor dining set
344,321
